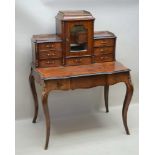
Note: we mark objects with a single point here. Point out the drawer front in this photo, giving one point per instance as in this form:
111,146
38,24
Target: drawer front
50,63
50,54
104,42
88,82
103,58
49,46
78,61
103,50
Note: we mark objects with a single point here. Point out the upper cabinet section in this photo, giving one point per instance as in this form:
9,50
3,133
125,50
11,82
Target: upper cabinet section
74,15
76,28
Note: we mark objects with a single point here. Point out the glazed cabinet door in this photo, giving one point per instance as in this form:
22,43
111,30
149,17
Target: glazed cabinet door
79,38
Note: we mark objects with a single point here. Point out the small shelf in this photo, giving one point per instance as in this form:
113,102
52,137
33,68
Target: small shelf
78,47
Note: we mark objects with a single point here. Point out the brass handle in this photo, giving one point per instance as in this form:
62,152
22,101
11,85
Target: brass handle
51,45
78,60
50,62
53,54
103,42
47,45
101,50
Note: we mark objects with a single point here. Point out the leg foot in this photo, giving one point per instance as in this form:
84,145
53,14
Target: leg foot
128,96
34,93
47,117
106,93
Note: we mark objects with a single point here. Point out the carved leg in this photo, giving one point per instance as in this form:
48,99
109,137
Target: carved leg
47,117
128,96
34,93
106,92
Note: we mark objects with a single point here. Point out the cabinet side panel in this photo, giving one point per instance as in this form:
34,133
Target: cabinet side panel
115,49
34,54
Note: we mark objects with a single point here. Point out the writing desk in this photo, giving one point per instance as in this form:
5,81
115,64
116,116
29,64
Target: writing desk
75,77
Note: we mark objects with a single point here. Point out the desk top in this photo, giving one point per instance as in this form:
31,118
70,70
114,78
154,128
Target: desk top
79,71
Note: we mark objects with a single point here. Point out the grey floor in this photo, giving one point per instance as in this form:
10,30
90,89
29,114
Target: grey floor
93,134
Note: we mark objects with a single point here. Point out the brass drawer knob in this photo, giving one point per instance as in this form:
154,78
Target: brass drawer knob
101,50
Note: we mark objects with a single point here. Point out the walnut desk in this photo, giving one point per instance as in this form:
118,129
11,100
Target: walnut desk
76,57
84,76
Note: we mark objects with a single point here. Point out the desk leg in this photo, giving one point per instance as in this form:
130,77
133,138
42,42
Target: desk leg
47,117
106,93
34,93
128,96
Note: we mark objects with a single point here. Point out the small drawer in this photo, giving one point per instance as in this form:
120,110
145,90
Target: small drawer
104,42
50,63
103,58
78,61
103,50
47,46
49,54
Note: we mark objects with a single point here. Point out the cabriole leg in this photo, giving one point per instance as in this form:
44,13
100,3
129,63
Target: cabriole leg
34,93
128,96
47,117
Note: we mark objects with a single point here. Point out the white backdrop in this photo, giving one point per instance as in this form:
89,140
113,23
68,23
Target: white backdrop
38,17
